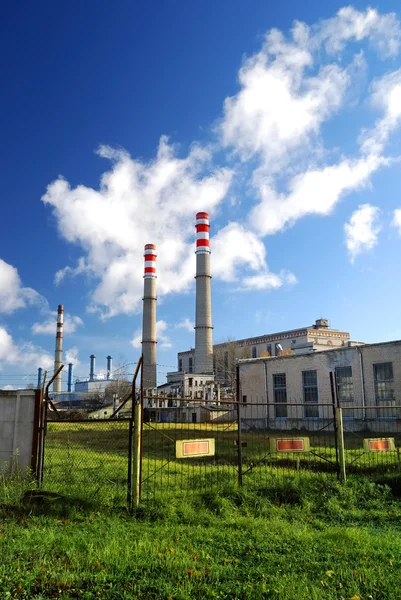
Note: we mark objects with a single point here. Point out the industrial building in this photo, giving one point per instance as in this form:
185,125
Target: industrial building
368,385
313,338
93,383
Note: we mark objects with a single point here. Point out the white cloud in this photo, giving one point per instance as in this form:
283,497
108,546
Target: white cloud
386,96
383,31
273,131
186,324
49,325
138,203
12,295
396,222
266,281
71,356
8,387
279,108
24,354
163,340
287,92
362,230
234,247
316,191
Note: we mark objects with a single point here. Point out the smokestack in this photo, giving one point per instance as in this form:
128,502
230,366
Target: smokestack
58,357
203,320
40,377
149,318
109,366
70,372
92,367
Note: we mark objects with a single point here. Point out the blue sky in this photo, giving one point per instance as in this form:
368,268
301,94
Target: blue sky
120,121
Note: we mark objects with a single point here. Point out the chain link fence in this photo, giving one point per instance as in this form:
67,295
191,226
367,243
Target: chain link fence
88,459
187,448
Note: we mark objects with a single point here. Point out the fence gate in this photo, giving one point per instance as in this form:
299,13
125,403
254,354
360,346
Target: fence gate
87,459
187,447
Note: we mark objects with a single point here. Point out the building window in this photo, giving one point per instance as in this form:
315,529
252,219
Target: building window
384,388
277,349
190,380
190,364
345,390
180,364
269,349
311,399
253,351
152,416
280,395
244,399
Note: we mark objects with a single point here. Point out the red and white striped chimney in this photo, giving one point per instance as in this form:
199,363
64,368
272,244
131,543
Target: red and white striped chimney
149,318
58,356
203,320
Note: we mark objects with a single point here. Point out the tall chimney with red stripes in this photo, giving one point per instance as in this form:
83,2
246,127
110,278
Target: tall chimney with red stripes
203,320
149,319
58,355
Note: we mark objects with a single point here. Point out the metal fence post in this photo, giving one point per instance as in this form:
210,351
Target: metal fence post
340,442
239,436
131,434
334,405
137,458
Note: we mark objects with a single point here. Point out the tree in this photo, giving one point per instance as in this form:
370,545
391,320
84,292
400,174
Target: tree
225,362
120,386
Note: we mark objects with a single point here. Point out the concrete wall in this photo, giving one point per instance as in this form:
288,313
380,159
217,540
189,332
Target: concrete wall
17,427
256,378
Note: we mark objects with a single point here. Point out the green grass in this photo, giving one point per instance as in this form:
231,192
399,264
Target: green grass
293,540
291,532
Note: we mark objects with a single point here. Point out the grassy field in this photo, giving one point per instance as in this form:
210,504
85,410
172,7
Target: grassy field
292,532
299,539
91,459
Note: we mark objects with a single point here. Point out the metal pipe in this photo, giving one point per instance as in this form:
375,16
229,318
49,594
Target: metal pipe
362,382
109,366
70,374
92,367
239,433
58,357
40,377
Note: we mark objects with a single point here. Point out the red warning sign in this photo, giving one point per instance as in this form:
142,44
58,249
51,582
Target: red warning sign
195,448
290,445
192,448
379,445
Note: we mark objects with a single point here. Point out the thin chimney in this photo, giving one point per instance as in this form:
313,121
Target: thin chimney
70,375
203,320
109,367
58,356
92,367
149,319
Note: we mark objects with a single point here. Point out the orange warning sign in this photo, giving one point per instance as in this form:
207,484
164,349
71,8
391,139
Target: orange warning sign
299,444
379,445
290,445
191,448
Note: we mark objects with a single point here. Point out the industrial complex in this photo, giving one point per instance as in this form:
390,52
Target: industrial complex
274,369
